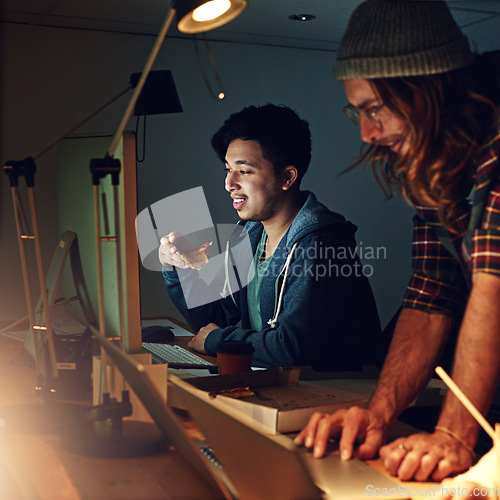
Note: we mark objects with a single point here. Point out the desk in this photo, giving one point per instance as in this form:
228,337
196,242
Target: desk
36,466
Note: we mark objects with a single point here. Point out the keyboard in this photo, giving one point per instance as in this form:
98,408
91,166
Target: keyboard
67,326
176,356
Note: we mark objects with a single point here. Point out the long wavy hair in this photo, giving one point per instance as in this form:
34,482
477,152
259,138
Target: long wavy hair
449,117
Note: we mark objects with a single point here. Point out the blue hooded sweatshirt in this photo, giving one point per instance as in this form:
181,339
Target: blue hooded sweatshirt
316,304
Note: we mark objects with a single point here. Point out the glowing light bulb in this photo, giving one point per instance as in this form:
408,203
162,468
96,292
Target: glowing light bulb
211,10
221,96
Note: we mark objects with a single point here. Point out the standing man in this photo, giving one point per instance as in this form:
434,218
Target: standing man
307,301
428,108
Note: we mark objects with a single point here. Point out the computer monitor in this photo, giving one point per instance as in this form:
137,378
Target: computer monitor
75,209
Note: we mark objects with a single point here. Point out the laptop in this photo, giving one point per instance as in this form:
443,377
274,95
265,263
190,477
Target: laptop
255,464
264,466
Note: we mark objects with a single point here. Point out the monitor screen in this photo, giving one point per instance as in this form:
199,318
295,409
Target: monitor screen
75,209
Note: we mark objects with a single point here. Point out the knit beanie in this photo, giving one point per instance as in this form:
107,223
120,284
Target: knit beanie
390,38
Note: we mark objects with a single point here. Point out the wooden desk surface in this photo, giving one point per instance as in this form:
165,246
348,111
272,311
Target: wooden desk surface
37,466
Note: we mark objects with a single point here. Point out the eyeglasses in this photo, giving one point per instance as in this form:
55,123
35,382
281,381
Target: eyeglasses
374,114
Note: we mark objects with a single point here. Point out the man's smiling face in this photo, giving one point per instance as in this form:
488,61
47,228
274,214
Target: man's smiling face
388,129
251,181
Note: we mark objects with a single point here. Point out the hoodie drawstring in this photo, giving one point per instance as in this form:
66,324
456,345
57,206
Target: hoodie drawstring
272,322
226,289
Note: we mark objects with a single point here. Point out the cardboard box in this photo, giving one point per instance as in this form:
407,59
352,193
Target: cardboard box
276,398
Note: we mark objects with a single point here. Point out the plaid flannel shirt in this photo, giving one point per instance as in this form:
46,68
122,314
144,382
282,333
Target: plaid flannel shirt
440,275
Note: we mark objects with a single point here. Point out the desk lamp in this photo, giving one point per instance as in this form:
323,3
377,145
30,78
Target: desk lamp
159,96
194,17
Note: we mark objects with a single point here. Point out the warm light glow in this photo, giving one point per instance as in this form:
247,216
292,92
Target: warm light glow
221,96
211,10
208,15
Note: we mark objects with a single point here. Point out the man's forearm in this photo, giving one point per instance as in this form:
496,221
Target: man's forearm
417,341
477,362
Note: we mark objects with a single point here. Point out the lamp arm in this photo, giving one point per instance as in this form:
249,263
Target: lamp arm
140,84
83,120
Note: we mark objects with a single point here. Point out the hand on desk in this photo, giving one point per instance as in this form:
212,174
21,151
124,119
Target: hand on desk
353,425
197,343
425,457
362,432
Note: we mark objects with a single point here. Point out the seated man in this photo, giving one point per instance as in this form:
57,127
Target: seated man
308,302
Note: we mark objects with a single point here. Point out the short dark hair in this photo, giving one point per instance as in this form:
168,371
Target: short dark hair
284,137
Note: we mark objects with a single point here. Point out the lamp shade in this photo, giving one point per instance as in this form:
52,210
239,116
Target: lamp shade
158,95
197,16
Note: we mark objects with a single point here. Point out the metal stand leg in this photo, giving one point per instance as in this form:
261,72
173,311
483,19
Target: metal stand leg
43,339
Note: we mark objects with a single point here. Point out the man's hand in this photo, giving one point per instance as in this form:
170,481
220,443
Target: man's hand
353,425
169,253
425,457
198,341
175,250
